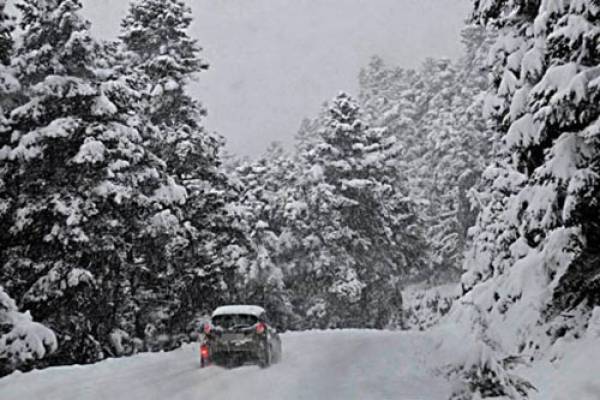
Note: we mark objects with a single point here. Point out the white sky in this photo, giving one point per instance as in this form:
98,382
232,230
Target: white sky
273,62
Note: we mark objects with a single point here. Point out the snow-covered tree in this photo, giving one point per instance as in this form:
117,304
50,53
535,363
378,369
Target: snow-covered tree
333,233
6,39
534,261
267,184
458,147
84,184
486,370
22,340
205,248
165,58
9,85
444,160
8,88
434,114
363,225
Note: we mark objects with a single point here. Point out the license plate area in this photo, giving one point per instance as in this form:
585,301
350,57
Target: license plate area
232,337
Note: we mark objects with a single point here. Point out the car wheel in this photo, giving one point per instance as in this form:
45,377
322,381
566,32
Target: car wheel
276,356
265,360
279,353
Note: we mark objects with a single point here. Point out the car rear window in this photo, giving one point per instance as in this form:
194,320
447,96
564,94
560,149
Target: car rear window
230,321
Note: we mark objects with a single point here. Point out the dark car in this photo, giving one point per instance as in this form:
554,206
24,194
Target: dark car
240,334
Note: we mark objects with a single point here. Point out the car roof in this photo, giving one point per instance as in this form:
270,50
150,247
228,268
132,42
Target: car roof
239,309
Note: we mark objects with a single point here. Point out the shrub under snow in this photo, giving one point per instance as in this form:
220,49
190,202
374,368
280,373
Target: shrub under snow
424,307
21,339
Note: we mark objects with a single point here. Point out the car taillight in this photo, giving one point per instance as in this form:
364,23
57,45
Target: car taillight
260,328
204,351
207,328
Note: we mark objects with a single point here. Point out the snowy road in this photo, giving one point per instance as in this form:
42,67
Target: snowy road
316,365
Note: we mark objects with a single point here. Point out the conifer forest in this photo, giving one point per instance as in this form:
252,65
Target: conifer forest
443,217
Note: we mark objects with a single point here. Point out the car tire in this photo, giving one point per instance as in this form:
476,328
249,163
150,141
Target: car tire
265,360
276,355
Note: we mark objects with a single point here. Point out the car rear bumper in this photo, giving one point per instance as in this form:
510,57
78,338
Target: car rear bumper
235,357
226,352
235,346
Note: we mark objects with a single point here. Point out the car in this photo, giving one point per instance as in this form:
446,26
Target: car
239,334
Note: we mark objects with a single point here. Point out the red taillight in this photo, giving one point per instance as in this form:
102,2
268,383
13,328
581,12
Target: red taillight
260,328
207,328
204,351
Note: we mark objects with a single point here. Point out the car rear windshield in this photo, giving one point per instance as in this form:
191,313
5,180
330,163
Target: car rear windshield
231,321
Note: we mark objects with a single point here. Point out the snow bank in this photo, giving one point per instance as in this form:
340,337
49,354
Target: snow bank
570,370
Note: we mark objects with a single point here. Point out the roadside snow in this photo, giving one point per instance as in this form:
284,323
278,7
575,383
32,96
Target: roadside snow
569,371
572,369
575,374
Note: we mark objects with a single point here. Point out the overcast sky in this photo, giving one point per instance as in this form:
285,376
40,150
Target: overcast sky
273,62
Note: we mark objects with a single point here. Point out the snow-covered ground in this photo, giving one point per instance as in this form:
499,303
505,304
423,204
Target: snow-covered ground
329,365
344,364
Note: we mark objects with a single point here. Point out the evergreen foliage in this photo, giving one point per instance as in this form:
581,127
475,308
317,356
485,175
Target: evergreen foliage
435,115
83,186
203,244
542,185
533,264
334,232
122,228
22,341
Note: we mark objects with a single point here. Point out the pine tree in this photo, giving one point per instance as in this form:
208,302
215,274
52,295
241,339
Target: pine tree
536,238
84,184
205,249
443,161
6,39
433,113
266,184
9,86
458,147
165,58
22,341
365,225
396,99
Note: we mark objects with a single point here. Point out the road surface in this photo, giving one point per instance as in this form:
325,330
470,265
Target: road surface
328,365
